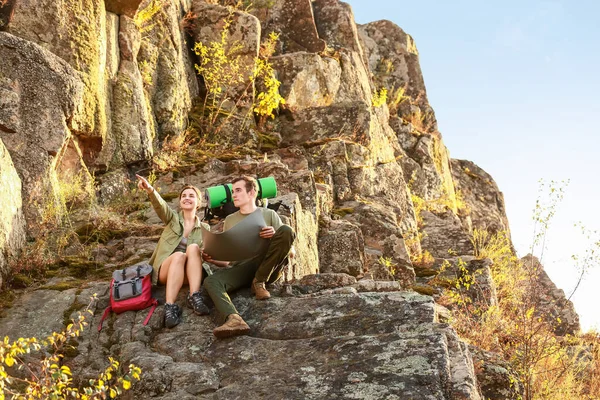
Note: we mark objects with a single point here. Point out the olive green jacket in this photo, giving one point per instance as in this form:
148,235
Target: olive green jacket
172,234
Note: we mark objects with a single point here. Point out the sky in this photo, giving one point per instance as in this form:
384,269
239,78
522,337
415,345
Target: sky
515,89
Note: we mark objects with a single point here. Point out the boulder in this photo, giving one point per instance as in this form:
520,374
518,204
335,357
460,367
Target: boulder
45,307
335,23
306,258
444,273
551,303
341,248
443,234
386,256
307,80
42,98
483,201
497,378
294,21
12,222
315,283
244,32
167,67
75,31
393,58
344,122
428,168
132,125
123,7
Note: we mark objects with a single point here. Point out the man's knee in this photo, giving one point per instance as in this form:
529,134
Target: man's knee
286,232
212,283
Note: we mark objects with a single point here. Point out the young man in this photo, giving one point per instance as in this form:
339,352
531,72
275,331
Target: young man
264,268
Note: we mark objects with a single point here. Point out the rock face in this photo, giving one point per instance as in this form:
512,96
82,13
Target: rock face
294,21
74,31
132,126
41,106
148,82
497,379
553,305
12,222
166,67
484,203
123,7
346,345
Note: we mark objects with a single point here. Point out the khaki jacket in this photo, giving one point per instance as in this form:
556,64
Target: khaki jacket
172,234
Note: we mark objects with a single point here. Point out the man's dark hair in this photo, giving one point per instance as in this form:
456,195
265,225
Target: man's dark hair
250,182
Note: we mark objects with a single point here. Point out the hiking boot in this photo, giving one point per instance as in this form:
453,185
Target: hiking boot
172,315
234,326
196,303
259,289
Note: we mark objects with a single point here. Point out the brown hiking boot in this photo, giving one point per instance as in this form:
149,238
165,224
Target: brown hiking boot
234,326
259,289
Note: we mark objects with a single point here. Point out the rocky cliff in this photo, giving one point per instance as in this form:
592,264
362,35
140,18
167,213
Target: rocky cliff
94,89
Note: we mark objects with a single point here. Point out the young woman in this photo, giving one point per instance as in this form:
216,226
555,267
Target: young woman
177,259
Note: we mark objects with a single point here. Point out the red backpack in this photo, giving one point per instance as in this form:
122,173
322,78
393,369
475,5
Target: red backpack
131,290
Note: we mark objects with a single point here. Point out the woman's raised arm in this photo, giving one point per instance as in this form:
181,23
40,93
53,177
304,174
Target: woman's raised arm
164,212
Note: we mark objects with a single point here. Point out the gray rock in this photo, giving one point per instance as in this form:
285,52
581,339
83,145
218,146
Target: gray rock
483,199
75,32
497,378
382,228
132,126
41,97
37,314
318,282
551,303
167,68
329,345
12,222
294,21
443,231
306,258
335,24
444,273
123,7
393,58
341,248
369,285
307,80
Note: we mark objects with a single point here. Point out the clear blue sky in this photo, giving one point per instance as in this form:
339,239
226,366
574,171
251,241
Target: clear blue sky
516,90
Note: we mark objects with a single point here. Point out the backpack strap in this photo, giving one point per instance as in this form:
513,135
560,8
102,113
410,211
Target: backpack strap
104,316
154,304
259,190
228,197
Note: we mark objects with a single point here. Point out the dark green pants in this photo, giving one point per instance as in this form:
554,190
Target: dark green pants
266,267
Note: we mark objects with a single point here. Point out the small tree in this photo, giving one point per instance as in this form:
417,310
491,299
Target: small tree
47,378
230,85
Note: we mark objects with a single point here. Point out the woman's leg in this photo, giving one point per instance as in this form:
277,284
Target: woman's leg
172,274
193,267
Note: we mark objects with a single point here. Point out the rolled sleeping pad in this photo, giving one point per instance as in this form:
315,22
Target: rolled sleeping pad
216,196
267,188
